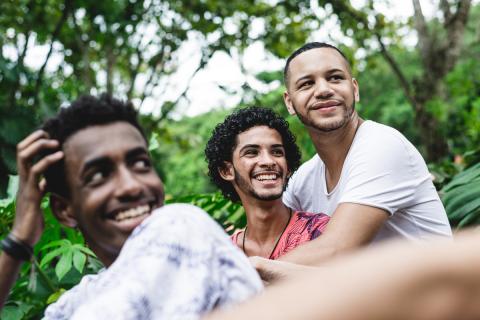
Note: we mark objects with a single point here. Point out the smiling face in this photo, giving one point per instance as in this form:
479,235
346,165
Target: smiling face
259,168
113,186
321,90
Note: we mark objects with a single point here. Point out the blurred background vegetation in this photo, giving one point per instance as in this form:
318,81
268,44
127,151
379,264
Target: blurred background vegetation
420,75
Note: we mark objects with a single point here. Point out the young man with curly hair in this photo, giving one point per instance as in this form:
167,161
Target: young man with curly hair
161,261
250,157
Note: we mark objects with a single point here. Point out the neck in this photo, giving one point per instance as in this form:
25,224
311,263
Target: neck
333,146
107,258
265,220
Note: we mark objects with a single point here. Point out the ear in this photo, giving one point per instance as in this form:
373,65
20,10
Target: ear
62,210
226,171
288,103
356,90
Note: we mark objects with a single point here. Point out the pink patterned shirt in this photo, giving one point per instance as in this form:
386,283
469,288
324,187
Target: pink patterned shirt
303,227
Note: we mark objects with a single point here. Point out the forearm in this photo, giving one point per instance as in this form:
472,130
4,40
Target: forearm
313,253
9,270
396,281
272,271
352,226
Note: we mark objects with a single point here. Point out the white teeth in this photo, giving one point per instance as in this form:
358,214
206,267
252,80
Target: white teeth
262,177
133,212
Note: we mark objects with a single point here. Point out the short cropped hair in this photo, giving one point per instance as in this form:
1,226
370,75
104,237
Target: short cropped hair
307,47
86,111
223,141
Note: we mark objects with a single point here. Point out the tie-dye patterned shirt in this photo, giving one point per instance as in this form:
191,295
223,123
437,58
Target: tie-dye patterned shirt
178,264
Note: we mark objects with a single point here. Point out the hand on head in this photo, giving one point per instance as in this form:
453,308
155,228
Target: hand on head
28,225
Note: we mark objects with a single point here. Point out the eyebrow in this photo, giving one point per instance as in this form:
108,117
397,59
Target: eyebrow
278,145
137,151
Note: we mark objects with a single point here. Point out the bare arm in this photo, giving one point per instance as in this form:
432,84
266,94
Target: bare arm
438,281
351,226
28,224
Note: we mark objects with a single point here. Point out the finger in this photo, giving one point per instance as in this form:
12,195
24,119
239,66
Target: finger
42,185
43,164
26,156
31,138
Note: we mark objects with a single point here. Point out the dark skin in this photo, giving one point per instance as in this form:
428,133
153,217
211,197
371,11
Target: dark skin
28,224
108,179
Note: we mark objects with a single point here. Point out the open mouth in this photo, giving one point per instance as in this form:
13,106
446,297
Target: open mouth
133,213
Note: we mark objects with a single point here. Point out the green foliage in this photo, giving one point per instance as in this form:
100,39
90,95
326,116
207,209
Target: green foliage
64,260
228,214
64,257
462,197
105,46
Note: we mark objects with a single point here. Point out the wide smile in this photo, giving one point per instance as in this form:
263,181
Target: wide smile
133,213
127,219
267,177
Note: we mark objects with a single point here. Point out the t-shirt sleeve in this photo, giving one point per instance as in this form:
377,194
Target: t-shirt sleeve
384,172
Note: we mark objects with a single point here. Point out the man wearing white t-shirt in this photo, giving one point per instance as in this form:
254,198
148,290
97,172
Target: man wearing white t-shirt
367,176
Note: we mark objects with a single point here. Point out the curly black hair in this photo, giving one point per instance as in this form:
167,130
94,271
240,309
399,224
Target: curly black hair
84,112
224,140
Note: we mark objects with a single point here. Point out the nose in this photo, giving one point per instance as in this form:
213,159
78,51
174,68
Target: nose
128,185
323,89
266,159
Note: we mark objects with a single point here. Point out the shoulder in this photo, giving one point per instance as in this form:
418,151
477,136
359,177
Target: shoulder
380,146
307,170
311,164
235,235
373,135
174,216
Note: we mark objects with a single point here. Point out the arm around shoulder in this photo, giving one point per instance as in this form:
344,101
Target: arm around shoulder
351,226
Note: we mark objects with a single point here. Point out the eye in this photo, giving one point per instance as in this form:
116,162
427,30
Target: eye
336,77
142,164
96,177
305,84
278,152
250,152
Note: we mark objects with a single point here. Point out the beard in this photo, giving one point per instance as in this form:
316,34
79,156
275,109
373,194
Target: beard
323,125
246,187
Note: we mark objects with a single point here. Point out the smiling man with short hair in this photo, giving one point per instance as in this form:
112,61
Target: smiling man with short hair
368,177
161,261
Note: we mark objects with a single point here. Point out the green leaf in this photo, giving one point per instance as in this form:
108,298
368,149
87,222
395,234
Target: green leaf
84,249
11,313
153,142
79,260
464,177
64,264
52,254
55,296
12,186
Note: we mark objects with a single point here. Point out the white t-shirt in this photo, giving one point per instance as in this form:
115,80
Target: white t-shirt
383,170
177,264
